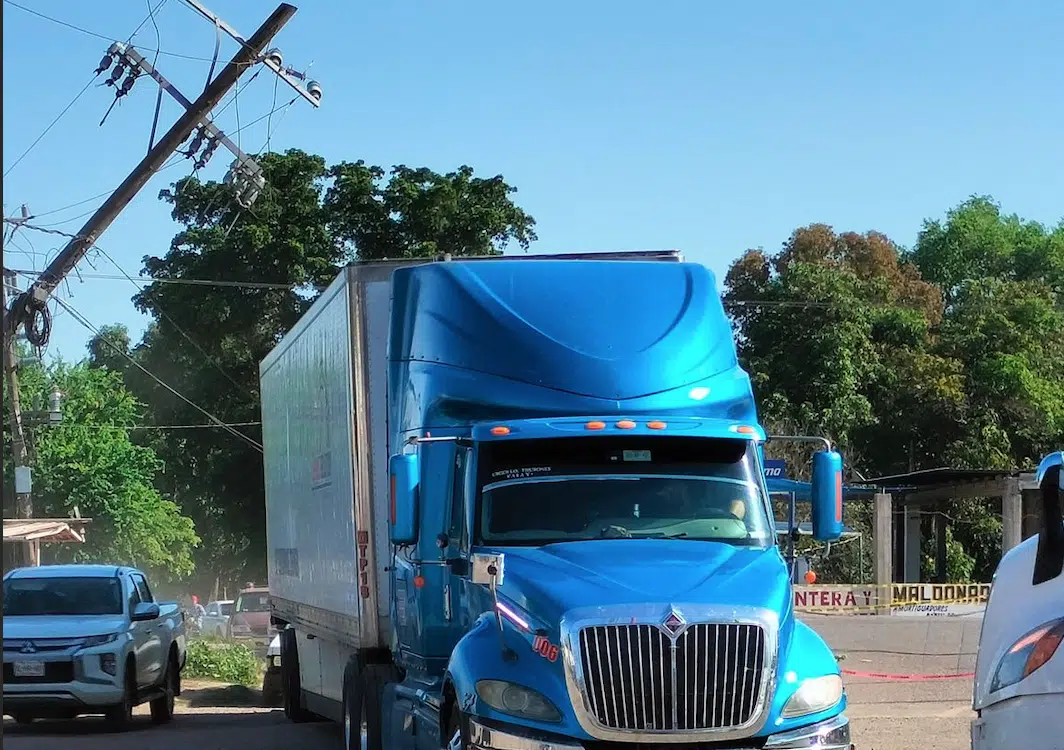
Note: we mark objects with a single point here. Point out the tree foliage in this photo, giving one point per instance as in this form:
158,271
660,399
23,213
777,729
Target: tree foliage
951,354
88,462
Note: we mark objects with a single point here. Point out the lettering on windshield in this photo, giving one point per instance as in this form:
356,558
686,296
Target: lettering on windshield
523,472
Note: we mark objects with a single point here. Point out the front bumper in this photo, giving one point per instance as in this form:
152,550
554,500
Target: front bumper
74,681
1019,723
833,734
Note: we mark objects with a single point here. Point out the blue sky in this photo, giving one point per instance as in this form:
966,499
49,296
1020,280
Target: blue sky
702,126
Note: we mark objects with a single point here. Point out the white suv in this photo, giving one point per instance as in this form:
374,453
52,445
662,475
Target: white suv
1019,673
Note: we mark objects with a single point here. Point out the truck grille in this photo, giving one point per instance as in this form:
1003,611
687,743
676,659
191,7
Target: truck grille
637,678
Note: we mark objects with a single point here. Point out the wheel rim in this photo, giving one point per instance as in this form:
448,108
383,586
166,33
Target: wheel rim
456,740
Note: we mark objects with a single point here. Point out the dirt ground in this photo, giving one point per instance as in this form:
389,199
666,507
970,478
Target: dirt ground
886,715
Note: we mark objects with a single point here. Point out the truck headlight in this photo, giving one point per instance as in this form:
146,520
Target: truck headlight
813,695
1028,654
99,640
513,699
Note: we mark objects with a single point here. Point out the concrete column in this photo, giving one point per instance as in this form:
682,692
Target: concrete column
1011,515
883,559
912,544
941,573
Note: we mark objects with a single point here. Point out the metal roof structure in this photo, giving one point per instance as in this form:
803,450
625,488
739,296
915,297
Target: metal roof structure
45,530
940,475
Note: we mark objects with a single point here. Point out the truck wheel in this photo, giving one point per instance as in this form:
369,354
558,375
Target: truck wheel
162,708
120,717
291,691
352,704
364,691
456,730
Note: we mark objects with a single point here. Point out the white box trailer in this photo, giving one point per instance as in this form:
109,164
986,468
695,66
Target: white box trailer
324,391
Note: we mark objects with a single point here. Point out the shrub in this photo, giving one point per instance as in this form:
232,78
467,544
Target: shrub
234,663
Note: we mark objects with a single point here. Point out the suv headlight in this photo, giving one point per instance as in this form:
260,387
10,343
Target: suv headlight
99,640
813,695
1028,654
516,700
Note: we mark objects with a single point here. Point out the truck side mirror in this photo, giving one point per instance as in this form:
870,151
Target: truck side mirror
827,496
1049,558
404,477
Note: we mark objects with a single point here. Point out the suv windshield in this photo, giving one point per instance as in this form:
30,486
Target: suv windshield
225,608
535,492
62,596
253,602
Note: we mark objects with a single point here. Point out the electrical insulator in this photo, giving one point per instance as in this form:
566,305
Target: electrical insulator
120,68
108,59
128,83
105,63
197,142
208,152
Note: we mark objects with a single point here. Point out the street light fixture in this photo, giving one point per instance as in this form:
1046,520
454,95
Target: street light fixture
55,406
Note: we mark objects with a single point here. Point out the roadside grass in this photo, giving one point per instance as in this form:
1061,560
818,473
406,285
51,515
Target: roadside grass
223,661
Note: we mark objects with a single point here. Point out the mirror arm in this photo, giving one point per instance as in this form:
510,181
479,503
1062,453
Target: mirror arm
800,439
508,653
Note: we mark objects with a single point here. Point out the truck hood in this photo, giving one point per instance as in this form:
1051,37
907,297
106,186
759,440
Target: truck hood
65,626
548,581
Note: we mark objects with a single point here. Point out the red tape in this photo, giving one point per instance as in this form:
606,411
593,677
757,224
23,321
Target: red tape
910,677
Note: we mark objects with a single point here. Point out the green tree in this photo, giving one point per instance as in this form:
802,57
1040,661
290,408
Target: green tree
89,462
836,331
206,340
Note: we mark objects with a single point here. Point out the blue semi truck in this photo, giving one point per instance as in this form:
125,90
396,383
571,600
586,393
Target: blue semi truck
518,503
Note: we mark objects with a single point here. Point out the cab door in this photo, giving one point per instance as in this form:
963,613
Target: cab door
153,654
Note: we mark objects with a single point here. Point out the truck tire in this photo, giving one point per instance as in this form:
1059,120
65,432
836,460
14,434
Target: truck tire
291,691
162,708
120,717
352,704
457,730
364,704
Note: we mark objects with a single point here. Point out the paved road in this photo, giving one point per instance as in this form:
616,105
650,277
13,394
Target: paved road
886,715
208,718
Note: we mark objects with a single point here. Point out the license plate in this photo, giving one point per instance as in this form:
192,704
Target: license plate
29,668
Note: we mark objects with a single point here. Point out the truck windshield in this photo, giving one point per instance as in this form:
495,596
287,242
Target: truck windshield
62,596
534,492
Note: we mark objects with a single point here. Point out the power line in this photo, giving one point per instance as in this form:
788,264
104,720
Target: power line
215,420
105,37
204,426
189,282
53,123
177,159
210,360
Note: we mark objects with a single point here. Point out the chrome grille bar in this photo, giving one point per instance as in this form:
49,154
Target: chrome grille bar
710,677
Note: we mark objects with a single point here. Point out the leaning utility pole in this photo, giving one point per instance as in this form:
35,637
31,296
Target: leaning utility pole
33,302
29,309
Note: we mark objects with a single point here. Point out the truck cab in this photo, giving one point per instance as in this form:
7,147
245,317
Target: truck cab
1019,678
561,535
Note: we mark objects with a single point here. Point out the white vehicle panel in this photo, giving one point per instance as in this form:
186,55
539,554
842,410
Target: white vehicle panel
1030,712
308,436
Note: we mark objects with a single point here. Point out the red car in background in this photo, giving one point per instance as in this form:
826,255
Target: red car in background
250,618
